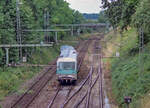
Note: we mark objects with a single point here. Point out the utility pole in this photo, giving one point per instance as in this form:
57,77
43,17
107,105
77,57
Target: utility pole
72,30
19,38
7,56
46,24
56,37
141,49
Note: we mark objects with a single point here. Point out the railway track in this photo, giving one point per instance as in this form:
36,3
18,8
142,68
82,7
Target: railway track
100,83
27,98
81,56
88,93
98,79
99,57
78,90
92,82
65,95
66,92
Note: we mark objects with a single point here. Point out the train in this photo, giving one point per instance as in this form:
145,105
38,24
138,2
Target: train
67,65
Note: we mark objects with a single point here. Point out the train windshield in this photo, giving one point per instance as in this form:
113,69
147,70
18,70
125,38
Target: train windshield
67,66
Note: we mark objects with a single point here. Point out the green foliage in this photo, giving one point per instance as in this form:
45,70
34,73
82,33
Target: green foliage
11,78
124,13
127,79
78,17
102,18
141,18
32,17
44,55
119,12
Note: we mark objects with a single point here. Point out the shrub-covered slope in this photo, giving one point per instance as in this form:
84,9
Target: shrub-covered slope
128,78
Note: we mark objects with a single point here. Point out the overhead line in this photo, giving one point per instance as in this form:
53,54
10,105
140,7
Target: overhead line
24,45
47,30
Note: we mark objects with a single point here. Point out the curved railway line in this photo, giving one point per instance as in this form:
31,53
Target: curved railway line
81,56
92,82
69,92
94,70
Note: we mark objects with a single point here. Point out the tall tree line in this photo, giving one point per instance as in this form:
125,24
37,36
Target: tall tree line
120,12
32,17
125,13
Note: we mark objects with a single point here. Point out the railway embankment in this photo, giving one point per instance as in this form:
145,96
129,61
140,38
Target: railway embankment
128,74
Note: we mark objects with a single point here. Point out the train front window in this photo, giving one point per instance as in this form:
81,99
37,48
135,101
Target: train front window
67,65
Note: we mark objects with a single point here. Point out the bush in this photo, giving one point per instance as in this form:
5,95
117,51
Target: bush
11,78
127,77
141,18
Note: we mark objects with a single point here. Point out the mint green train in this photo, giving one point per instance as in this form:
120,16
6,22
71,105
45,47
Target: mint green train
67,65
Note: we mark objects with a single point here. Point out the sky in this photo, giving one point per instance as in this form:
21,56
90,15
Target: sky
85,6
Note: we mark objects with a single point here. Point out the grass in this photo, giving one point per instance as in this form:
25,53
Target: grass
127,79
11,78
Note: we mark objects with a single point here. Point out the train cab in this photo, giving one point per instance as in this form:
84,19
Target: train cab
67,67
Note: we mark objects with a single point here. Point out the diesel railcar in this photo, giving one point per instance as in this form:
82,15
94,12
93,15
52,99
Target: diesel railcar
67,65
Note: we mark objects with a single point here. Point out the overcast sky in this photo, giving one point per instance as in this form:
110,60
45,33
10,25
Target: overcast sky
85,6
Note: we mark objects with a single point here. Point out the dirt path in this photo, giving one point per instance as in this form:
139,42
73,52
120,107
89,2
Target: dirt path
109,101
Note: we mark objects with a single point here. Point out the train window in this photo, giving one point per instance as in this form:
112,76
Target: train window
67,65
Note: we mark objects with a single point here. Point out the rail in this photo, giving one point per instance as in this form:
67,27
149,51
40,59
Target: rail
26,99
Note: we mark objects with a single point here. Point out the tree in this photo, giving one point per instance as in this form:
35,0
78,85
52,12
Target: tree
141,19
119,12
78,17
32,17
1,21
102,18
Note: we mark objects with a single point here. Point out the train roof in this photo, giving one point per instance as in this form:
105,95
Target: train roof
66,60
68,52
66,47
